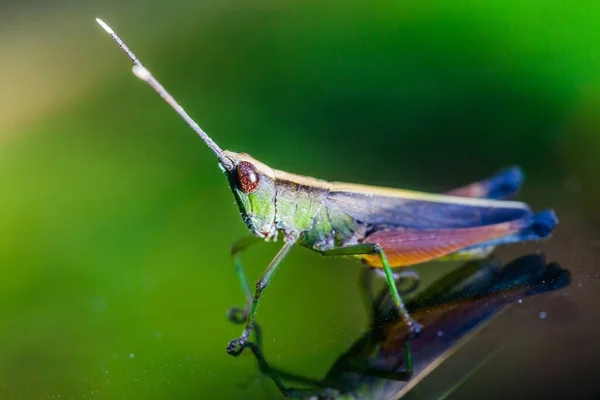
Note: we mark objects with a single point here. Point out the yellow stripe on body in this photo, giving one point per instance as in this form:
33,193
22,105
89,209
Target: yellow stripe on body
342,187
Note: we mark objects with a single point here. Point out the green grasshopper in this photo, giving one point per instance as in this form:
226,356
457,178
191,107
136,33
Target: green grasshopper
384,227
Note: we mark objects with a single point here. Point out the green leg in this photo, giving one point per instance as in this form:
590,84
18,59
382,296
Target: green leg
236,249
381,307
373,303
236,346
374,248
238,315
400,277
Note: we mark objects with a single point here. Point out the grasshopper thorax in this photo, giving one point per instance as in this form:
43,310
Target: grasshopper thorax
253,185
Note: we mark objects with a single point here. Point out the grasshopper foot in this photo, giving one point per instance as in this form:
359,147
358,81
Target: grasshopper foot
236,346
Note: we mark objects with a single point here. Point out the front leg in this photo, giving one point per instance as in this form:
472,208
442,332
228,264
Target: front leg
236,346
235,314
373,248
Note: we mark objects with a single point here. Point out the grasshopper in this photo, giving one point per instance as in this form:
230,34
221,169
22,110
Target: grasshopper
383,227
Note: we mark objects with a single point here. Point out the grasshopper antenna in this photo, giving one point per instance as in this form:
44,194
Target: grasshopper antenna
142,73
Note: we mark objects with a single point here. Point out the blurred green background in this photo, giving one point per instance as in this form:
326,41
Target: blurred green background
115,222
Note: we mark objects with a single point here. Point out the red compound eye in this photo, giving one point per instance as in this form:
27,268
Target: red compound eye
247,175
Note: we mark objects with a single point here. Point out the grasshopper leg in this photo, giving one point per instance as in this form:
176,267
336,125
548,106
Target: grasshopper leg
237,315
373,303
374,248
404,275
236,346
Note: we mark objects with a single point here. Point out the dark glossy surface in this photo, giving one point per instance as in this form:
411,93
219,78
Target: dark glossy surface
386,362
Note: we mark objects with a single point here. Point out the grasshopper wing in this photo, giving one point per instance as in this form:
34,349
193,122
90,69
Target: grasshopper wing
414,227
411,246
383,207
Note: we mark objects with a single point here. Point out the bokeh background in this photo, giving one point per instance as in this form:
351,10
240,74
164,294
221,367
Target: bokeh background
116,224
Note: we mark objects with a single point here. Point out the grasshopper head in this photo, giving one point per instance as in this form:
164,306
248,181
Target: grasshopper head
253,185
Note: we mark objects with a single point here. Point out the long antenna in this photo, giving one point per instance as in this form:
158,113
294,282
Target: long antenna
142,72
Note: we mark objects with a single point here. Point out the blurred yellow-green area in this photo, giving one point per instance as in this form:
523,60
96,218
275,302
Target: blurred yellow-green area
116,223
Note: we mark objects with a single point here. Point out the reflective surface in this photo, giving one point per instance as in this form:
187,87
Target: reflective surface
116,224
387,363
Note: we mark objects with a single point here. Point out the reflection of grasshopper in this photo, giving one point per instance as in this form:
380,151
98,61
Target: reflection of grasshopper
383,227
451,310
